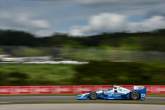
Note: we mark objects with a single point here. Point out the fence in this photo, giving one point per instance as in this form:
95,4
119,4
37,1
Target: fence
72,89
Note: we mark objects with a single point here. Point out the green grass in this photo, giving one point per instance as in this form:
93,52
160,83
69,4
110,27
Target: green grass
39,74
96,72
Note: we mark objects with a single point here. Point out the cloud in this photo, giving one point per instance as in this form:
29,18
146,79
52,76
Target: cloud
94,2
150,24
98,1
22,21
26,20
81,17
108,22
144,8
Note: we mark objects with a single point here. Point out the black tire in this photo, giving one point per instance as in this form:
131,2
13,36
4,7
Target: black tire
135,95
93,96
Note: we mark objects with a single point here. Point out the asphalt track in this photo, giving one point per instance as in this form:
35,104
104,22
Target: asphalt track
71,99
81,107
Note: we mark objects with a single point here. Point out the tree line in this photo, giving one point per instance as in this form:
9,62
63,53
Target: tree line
145,40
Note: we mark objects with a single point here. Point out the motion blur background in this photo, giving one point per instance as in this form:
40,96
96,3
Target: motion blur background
62,42
118,58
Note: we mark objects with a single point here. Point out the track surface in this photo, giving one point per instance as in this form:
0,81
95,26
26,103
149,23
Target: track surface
82,107
71,99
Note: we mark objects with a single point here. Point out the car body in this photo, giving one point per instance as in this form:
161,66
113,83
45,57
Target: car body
115,93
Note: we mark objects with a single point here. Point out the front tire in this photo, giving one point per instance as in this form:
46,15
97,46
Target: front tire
135,95
93,96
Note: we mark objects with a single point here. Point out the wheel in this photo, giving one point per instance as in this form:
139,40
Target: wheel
134,95
93,96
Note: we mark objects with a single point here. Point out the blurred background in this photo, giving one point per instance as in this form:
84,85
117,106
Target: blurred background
72,42
62,59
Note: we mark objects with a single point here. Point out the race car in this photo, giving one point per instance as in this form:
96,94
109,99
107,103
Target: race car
115,93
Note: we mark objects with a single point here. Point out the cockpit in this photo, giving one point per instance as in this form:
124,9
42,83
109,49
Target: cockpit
118,89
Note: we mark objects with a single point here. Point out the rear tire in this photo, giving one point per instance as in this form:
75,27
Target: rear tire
135,95
93,96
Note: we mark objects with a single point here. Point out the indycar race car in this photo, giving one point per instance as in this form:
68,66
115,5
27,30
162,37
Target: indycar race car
115,93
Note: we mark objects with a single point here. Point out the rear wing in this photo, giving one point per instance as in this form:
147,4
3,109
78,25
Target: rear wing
141,90
138,87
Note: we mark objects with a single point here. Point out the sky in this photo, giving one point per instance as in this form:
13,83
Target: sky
82,17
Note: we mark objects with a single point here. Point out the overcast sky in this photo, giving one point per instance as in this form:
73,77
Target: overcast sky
82,17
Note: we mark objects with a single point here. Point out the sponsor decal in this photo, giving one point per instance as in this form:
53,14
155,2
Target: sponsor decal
72,89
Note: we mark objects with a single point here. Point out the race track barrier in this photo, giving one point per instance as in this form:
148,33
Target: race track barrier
72,89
